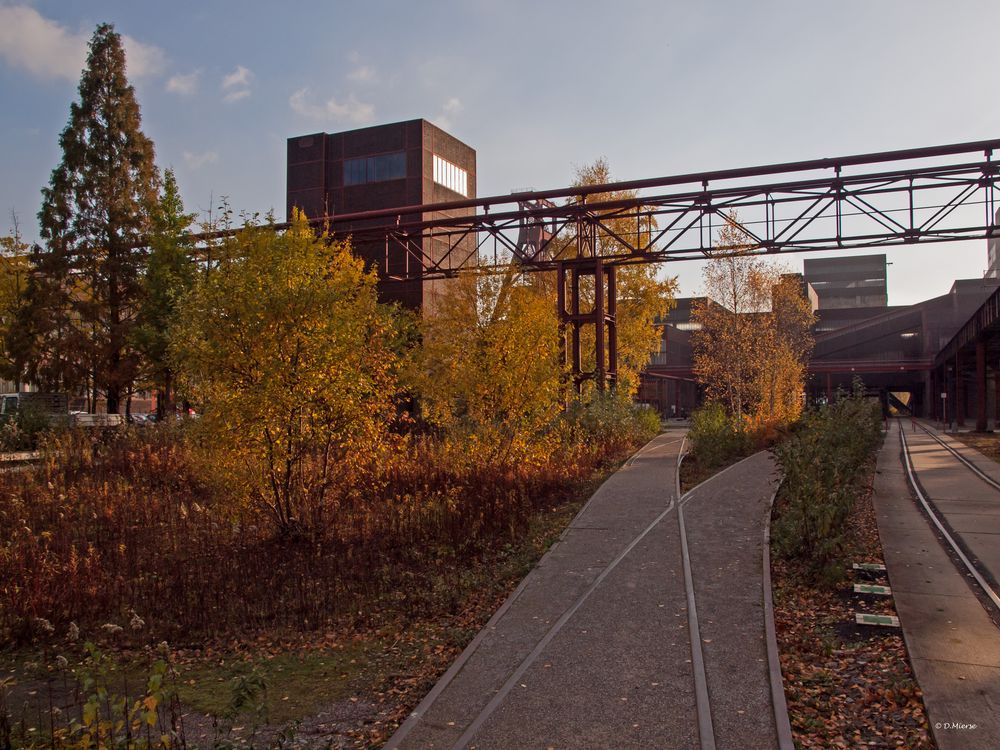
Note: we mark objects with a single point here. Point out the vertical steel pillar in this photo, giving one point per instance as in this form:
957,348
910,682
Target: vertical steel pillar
600,331
944,401
561,305
959,392
981,384
576,365
926,410
996,394
935,395
611,322
602,317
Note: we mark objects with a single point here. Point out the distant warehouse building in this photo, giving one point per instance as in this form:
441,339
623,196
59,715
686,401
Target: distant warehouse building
387,166
906,354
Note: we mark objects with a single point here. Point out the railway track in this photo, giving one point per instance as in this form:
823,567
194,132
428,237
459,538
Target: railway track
959,525
480,730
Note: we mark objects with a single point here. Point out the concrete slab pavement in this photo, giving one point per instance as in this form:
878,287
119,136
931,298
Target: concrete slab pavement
953,644
593,650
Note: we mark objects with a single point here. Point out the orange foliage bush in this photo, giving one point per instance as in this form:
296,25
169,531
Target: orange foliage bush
106,528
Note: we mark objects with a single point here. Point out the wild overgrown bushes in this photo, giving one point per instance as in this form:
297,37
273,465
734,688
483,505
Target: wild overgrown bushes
716,437
133,524
825,465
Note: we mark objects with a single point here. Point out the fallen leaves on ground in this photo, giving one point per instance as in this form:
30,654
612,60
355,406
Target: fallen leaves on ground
846,686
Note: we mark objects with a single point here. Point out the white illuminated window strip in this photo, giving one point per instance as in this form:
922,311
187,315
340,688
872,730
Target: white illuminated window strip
451,176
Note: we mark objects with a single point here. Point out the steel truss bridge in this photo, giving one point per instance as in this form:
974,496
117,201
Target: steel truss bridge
877,200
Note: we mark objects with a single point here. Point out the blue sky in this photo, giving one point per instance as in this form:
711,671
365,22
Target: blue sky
536,88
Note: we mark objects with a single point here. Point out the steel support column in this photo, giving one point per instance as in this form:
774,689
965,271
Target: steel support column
602,317
943,405
959,392
996,393
981,384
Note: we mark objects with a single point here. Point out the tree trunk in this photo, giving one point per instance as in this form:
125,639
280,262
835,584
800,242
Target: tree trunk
114,399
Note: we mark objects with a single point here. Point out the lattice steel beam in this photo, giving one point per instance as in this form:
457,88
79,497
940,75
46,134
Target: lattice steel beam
877,200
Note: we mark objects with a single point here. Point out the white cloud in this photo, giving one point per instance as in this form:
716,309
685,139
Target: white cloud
235,96
183,84
449,111
241,77
143,59
45,49
362,74
350,110
237,84
197,161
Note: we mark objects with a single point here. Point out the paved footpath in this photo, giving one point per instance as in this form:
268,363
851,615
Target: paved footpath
953,645
593,651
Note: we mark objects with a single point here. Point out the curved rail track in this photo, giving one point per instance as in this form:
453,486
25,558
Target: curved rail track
978,575
706,731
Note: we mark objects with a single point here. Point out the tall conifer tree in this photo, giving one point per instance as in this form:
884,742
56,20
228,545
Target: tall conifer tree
169,277
95,213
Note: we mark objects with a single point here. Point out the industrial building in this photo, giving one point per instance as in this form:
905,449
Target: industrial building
908,355
854,281
402,164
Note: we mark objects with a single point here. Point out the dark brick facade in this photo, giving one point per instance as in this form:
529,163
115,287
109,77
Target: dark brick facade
316,172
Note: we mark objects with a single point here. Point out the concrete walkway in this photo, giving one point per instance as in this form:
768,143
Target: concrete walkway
953,644
593,649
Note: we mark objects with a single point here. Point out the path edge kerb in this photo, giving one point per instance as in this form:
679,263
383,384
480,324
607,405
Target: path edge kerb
439,687
782,722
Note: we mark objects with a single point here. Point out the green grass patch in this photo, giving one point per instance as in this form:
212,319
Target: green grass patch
293,685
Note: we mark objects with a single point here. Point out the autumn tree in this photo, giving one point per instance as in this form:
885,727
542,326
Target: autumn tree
170,274
786,341
642,296
753,338
95,216
287,353
14,272
488,369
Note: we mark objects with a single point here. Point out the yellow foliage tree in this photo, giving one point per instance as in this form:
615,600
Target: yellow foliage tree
754,336
488,370
642,295
287,352
14,269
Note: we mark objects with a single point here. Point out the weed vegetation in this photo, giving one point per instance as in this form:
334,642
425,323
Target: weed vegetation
825,462
134,524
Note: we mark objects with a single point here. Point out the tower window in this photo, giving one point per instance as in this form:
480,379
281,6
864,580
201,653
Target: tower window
451,176
379,168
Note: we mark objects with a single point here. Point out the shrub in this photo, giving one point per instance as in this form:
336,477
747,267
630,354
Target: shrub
716,438
23,431
131,521
610,423
824,464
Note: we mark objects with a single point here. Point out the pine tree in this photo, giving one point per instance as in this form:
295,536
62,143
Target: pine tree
95,213
170,276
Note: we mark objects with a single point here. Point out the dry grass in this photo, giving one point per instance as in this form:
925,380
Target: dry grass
359,620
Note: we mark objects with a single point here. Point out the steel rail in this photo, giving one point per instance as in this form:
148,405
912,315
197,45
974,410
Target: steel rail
703,703
933,514
778,702
501,694
971,466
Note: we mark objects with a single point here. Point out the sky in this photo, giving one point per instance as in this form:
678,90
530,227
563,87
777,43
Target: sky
537,88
